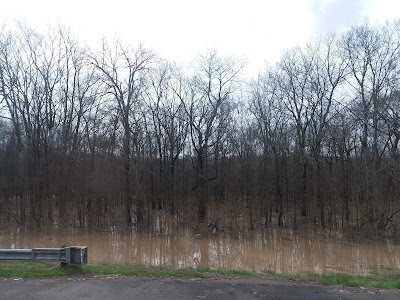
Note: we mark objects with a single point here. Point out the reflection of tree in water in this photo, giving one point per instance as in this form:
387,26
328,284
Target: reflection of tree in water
281,251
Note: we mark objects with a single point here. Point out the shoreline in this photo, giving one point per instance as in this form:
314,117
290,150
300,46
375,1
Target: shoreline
381,278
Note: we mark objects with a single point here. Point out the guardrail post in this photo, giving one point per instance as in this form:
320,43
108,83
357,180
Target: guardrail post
66,262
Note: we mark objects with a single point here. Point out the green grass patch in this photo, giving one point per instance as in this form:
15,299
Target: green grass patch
131,270
375,281
387,279
15,269
391,281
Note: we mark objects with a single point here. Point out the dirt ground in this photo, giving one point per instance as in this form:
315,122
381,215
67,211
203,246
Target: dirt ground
116,287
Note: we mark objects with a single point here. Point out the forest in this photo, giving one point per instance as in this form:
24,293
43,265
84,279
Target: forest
116,134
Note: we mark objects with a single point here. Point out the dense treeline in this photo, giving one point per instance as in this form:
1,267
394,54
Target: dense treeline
113,135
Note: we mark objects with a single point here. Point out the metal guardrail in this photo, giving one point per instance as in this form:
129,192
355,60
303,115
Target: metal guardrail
70,255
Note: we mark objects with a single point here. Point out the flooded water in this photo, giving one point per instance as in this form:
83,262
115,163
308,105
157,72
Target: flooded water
271,250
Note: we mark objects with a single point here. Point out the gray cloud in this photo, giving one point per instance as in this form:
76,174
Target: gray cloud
338,15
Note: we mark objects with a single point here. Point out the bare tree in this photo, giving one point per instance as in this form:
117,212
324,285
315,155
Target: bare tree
294,77
208,105
326,78
272,127
170,126
372,56
30,76
123,72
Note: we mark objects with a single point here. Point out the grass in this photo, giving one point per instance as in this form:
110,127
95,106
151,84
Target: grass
16,269
129,270
392,282
370,281
386,279
12,269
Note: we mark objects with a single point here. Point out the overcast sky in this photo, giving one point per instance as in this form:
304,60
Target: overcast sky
258,30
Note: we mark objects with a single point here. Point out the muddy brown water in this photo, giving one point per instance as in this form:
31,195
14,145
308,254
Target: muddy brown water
269,250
